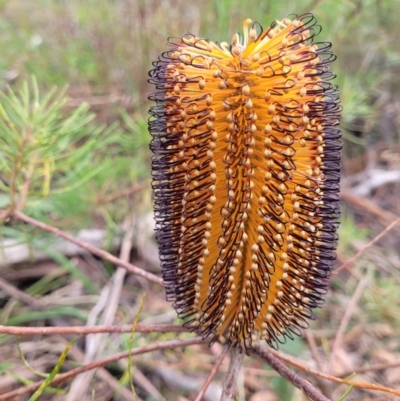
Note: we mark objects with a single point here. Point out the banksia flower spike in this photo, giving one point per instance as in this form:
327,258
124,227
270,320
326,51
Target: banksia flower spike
246,167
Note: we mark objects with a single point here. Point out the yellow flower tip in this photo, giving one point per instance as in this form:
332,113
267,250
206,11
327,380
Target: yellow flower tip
246,23
246,170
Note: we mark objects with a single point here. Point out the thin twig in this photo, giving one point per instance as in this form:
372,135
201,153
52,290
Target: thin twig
288,374
347,264
363,385
92,249
94,343
213,372
21,295
372,368
180,381
102,374
346,318
85,330
230,384
102,362
146,383
309,335
368,206
123,192
313,347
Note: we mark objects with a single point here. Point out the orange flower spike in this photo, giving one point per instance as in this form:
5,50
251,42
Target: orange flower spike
246,171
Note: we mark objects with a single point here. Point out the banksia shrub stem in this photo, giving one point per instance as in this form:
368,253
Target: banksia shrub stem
246,171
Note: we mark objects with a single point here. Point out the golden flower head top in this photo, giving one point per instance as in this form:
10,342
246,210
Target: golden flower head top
246,171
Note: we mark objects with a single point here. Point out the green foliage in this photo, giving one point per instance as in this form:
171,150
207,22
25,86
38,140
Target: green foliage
44,386
348,390
59,161
43,150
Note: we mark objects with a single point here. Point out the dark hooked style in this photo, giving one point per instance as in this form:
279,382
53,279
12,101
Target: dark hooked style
246,168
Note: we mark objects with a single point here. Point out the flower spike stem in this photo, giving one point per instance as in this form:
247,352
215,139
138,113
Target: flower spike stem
230,385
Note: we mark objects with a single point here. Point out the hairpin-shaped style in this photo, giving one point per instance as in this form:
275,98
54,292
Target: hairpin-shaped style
246,169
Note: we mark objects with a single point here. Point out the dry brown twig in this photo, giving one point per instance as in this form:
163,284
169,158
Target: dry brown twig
271,357
94,250
20,295
95,343
212,374
362,385
312,344
301,383
349,263
373,368
309,336
346,318
85,330
102,374
368,205
102,362
123,192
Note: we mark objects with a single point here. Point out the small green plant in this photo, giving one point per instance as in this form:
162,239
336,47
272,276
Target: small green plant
54,159
42,148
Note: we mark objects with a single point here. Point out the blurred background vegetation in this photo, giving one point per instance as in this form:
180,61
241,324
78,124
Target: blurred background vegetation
103,51
100,52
